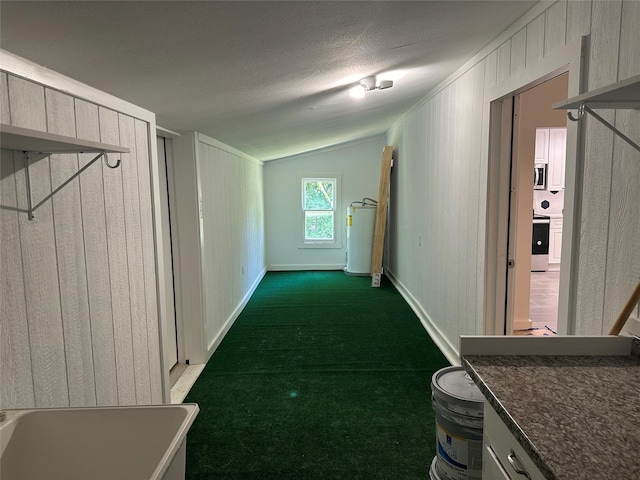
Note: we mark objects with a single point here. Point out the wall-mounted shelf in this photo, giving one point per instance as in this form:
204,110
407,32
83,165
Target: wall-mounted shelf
27,140
34,143
621,95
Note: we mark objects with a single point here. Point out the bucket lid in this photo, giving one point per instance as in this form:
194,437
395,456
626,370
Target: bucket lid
454,384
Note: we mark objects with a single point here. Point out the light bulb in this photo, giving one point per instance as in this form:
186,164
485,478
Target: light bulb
357,92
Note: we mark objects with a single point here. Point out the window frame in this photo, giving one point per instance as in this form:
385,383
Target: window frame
336,242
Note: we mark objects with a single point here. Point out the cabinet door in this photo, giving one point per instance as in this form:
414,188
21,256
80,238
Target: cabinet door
508,452
557,157
542,145
491,467
555,244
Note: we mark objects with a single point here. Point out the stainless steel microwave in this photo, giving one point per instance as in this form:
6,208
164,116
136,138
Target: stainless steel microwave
540,176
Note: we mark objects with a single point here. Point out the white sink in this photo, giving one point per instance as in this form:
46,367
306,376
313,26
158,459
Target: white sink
124,443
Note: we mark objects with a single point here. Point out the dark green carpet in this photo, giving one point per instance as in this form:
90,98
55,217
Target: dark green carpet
321,377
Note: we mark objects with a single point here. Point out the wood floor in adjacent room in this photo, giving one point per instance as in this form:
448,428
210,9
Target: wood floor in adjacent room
543,302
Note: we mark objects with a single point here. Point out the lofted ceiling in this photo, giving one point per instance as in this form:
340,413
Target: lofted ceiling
270,79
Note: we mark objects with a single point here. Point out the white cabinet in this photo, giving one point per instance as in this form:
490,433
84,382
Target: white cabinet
551,146
542,145
555,240
503,456
491,467
557,157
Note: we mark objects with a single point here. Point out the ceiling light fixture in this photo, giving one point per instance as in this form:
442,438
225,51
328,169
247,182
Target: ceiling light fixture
368,84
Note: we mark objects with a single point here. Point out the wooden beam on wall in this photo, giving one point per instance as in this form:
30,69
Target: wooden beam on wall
381,216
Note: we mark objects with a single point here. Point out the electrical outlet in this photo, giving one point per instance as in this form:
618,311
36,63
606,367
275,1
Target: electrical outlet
419,240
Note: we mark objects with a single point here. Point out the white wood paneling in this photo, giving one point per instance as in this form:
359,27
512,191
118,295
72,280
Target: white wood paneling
629,63
476,214
15,354
78,270
39,256
14,346
26,101
578,20
518,52
95,244
5,117
504,61
70,252
597,175
491,69
535,40
555,26
232,227
605,38
133,236
462,130
440,201
118,267
438,167
623,265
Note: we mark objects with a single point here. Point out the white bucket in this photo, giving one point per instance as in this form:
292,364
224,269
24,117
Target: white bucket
433,472
459,405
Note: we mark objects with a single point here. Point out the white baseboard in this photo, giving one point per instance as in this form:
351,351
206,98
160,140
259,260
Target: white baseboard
215,343
304,266
448,350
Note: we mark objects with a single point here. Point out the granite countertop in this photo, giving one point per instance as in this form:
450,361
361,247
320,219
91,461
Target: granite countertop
578,417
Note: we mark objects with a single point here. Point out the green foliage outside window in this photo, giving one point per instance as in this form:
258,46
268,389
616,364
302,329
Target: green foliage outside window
318,195
318,225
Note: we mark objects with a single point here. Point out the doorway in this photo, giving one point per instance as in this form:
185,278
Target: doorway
536,205
499,279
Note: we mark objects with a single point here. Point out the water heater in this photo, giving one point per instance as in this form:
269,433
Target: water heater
361,222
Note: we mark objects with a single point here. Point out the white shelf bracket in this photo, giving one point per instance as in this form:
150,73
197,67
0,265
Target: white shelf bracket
27,161
583,108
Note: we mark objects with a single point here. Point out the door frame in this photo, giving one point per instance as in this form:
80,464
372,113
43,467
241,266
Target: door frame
498,102
170,325
168,209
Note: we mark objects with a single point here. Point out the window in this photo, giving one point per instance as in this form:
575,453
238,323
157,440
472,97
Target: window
319,210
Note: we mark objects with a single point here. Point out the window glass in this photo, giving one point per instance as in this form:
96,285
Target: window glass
318,205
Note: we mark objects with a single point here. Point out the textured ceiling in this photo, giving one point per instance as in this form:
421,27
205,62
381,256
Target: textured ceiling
268,78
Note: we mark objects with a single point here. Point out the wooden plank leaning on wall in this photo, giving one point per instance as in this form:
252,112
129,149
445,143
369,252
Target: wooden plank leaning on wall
381,216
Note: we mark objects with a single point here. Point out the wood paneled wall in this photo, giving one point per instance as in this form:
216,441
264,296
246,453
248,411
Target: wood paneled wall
439,189
218,238
79,321
232,236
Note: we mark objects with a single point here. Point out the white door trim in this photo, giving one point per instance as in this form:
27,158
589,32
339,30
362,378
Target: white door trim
565,59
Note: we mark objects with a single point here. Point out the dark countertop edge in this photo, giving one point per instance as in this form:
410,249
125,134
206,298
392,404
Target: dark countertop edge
508,420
